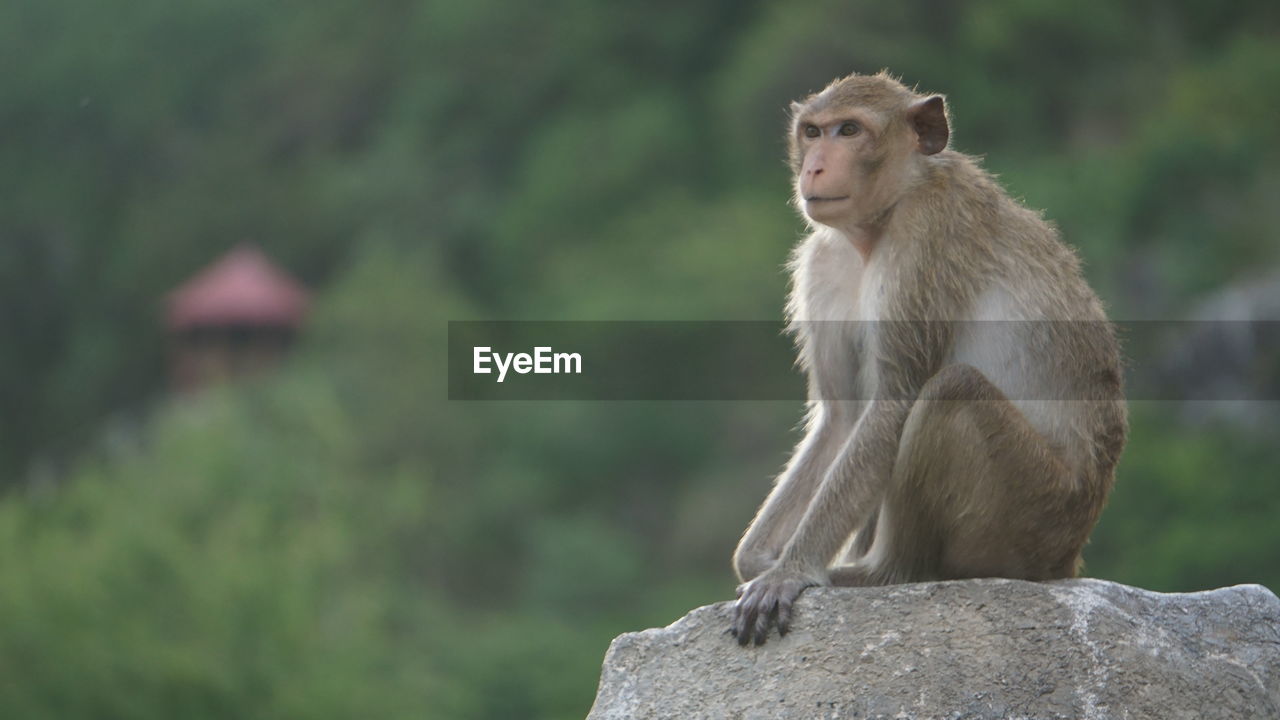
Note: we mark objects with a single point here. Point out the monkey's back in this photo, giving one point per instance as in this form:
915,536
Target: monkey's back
1035,327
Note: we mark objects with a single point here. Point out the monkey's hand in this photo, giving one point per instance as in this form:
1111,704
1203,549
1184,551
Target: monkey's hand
768,599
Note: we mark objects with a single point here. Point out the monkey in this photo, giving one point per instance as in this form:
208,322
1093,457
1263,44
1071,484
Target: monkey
965,409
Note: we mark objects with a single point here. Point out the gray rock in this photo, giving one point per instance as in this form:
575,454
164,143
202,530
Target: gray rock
965,649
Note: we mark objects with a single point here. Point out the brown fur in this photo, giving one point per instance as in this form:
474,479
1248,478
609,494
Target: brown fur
941,442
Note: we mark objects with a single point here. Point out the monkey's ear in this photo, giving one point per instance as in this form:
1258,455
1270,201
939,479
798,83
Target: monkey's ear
928,118
796,108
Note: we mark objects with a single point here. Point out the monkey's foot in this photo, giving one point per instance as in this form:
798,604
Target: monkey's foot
765,601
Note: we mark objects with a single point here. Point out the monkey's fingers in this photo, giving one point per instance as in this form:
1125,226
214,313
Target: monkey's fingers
766,617
744,630
784,616
744,617
735,617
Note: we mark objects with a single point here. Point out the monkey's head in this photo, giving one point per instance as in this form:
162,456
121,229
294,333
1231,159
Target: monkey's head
858,145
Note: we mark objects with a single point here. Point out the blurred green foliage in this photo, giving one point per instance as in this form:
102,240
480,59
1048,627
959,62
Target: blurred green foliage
339,539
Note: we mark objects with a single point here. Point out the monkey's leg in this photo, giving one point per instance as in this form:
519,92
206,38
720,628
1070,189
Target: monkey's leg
866,535
860,543
975,492
778,517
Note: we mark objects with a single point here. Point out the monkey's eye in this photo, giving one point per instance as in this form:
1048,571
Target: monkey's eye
850,128
812,131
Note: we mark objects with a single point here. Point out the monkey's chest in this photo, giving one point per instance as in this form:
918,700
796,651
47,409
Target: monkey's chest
845,313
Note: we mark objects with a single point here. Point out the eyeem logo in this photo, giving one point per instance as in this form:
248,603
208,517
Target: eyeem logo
542,362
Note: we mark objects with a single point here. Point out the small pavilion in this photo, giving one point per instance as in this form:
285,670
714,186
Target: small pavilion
237,317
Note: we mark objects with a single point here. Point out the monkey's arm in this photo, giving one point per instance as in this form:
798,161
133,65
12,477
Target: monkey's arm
769,532
845,498
851,489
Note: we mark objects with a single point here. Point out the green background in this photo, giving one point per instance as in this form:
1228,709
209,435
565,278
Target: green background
340,540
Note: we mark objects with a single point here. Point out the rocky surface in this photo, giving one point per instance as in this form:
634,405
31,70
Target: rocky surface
965,649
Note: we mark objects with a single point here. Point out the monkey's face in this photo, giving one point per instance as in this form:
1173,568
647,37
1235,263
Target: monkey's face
858,145
841,153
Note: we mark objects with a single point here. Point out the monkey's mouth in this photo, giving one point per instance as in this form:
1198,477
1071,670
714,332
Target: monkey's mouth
820,199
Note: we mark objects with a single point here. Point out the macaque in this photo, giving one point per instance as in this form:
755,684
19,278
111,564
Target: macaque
966,409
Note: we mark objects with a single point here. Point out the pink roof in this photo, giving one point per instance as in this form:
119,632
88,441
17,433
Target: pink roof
242,288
